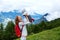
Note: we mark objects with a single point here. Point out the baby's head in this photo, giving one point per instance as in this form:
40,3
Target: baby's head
18,19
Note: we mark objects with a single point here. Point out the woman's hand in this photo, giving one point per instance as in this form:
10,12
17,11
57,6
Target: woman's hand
27,16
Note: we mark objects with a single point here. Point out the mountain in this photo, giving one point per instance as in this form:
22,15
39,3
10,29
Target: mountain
8,16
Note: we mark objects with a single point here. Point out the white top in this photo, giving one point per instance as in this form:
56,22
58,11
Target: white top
24,30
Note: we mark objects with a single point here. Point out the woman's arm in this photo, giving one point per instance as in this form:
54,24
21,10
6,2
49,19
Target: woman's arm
27,20
26,16
20,25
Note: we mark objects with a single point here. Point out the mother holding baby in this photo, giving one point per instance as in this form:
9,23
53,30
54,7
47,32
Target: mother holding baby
22,24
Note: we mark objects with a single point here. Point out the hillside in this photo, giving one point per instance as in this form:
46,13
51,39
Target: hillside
53,34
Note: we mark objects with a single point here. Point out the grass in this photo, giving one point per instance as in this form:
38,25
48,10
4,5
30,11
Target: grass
53,34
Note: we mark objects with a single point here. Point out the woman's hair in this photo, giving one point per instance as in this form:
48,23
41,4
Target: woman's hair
16,20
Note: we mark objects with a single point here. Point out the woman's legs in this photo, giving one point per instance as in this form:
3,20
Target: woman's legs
23,38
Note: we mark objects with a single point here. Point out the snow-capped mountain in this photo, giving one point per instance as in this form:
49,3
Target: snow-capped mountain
8,16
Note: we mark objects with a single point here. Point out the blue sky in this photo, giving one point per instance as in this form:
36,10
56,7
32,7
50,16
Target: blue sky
39,6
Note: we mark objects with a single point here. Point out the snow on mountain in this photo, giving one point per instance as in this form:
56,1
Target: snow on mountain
10,16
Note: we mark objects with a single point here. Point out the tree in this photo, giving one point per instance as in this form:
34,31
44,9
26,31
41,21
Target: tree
1,26
9,33
1,31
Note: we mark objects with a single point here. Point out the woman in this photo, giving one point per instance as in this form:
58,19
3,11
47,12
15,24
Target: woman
21,23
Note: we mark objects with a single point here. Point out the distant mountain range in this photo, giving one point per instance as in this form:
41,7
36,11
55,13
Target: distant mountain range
4,16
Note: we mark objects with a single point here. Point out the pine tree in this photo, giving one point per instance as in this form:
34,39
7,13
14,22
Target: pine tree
1,31
9,31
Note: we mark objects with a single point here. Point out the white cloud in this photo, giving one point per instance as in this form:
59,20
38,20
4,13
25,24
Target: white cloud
7,5
53,16
39,6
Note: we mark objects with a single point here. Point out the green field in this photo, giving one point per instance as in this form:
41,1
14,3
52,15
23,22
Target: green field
53,34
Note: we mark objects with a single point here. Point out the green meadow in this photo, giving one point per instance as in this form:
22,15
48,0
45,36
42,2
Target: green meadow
53,34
